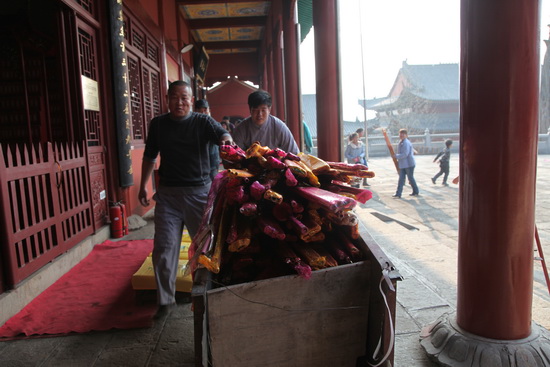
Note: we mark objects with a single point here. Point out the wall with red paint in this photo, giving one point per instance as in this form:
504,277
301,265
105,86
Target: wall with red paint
229,99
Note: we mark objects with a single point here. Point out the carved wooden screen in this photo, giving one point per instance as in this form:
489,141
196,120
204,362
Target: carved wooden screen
136,108
144,75
150,93
87,49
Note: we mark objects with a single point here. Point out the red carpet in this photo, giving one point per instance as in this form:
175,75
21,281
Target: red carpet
96,294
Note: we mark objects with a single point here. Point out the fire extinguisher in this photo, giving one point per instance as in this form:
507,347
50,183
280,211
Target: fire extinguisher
124,219
115,214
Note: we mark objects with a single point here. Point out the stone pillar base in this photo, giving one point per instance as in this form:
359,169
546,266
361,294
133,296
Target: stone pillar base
448,345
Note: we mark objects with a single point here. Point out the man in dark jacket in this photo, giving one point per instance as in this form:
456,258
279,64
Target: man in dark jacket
182,138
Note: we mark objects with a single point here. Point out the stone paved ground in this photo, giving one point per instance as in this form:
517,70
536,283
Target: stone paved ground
425,257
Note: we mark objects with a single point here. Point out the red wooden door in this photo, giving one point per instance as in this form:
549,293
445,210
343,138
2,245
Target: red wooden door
94,122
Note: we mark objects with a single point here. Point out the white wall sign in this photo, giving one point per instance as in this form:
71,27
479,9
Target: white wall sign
90,94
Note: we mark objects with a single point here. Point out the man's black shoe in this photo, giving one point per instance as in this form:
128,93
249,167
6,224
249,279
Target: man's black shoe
413,194
396,196
163,311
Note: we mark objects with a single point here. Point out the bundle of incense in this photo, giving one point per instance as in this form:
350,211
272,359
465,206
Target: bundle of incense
332,175
257,190
298,226
213,264
299,200
347,166
364,174
271,228
312,178
272,178
296,207
282,212
256,150
296,169
273,196
357,170
322,250
290,258
312,225
348,247
232,153
292,156
317,237
354,231
290,180
327,225
343,218
310,256
203,239
242,239
338,254
239,173
249,209
232,231
317,165
326,199
315,216
277,153
274,163
234,191
361,195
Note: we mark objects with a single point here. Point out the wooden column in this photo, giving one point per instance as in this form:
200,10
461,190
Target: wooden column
270,87
270,77
327,76
499,111
278,74
291,68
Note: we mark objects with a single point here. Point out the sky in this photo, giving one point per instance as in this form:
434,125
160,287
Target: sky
393,31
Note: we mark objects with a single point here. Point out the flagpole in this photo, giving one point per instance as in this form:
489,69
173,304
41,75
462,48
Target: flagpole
363,74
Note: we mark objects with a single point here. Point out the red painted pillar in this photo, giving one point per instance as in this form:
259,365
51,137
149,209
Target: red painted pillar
499,106
327,76
278,95
292,74
269,61
265,75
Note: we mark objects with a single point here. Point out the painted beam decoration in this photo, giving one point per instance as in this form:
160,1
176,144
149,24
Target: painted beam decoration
121,94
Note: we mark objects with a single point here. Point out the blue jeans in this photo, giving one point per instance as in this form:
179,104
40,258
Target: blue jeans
406,172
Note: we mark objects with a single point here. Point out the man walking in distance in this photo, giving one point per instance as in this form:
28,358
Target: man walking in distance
405,159
444,158
182,138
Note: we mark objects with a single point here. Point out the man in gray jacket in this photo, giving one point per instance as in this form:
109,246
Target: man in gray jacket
261,126
406,162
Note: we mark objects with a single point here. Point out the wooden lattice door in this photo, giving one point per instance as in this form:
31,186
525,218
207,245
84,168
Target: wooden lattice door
94,123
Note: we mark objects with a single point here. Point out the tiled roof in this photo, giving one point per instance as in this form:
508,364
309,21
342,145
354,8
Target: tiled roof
309,108
433,82
439,82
